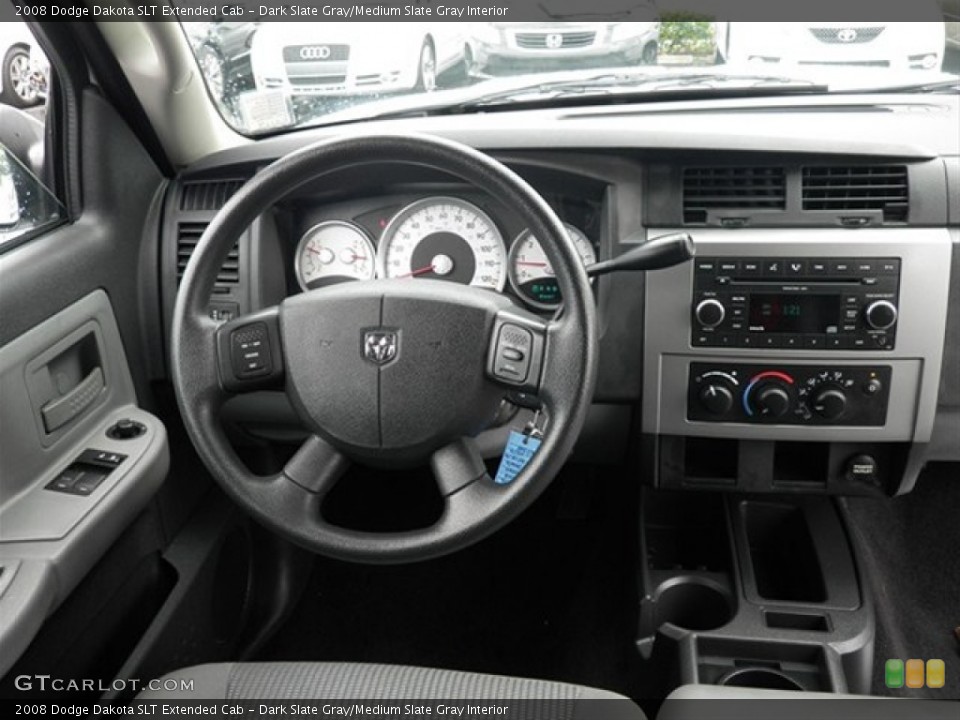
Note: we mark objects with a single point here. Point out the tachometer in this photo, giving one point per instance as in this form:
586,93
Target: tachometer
331,252
444,238
531,275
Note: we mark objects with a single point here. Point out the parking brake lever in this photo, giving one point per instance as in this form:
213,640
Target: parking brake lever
660,252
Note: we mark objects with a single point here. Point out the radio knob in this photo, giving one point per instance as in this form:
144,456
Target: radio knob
716,399
830,403
710,313
881,315
772,400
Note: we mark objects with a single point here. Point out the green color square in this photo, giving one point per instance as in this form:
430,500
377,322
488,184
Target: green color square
893,673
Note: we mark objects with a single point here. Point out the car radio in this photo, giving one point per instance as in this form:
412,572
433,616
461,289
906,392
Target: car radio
803,303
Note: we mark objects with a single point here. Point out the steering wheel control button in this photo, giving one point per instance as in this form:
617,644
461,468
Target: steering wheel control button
126,429
512,361
250,351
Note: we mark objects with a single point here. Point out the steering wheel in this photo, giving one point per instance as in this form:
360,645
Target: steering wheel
386,372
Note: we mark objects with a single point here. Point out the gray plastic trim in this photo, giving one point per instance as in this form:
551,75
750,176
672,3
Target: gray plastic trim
925,278
50,540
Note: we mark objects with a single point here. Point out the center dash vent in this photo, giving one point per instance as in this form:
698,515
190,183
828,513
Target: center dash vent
843,188
212,195
733,189
188,235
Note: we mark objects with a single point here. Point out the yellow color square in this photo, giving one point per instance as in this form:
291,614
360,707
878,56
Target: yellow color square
936,673
914,674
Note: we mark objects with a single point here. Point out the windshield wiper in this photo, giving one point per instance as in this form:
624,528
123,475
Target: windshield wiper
605,88
937,86
623,88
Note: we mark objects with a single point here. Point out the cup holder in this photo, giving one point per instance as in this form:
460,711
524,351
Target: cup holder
765,678
693,604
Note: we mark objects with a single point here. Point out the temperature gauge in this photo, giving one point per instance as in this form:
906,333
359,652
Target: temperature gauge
332,252
531,275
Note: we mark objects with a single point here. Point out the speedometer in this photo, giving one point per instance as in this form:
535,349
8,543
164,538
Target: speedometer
444,238
531,274
332,252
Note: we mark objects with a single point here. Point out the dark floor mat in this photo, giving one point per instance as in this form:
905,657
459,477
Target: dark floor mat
909,550
550,596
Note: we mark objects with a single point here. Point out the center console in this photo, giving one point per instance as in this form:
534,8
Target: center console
796,359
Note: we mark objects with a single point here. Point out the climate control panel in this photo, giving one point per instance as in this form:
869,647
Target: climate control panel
842,395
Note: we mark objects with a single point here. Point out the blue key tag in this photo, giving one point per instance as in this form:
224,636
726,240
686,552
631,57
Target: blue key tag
520,448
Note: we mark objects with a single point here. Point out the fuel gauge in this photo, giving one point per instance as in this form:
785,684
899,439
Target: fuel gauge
531,275
332,252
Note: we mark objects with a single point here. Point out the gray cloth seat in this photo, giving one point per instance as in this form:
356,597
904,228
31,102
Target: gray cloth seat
359,681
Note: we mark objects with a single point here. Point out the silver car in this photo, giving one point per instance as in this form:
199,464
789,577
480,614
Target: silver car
503,47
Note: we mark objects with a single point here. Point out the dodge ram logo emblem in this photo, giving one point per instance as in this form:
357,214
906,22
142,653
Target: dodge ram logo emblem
380,346
314,52
554,40
847,35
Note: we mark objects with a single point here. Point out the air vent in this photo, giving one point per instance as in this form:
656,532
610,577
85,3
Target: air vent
207,195
858,187
731,189
188,235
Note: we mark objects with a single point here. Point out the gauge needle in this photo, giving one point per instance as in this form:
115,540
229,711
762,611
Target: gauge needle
421,271
532,264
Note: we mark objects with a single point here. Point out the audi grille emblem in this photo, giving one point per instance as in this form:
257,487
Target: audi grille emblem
554,40
314,52
380,346
847,35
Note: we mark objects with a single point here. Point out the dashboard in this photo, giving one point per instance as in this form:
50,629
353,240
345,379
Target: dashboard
810,347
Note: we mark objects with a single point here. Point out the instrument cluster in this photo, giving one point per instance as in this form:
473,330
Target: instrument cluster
441,237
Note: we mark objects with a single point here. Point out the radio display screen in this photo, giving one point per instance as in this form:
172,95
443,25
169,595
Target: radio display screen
780,313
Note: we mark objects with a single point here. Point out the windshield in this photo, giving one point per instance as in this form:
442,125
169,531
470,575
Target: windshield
270,76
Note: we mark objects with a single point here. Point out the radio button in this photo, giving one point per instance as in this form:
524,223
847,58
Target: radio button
834,342
710,313
748,340
792,341
773,267
858,343
750,267
796,267
881,315
813,342
818,267
729,267
866,266
706,267
888,267
770,341
840,267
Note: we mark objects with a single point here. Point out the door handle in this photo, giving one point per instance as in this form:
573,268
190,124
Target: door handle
59,412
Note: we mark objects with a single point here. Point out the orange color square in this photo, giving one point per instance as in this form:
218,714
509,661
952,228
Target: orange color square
914,674
936,673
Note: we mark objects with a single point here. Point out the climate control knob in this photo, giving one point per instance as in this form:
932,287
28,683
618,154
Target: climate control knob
881,315
716,399
830,403
710,313
772,400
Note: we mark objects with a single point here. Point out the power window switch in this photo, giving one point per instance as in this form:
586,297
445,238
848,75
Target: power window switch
64,482
88,481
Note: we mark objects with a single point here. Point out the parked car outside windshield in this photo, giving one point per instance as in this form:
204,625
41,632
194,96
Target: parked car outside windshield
269,77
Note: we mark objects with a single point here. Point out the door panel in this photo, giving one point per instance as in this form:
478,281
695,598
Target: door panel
79,334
